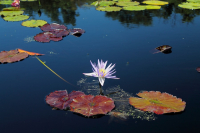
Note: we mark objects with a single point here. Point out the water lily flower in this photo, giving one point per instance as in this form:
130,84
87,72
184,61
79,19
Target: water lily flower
101,71
16,3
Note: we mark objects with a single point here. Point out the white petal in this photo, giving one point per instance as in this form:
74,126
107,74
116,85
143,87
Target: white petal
90,74
101,80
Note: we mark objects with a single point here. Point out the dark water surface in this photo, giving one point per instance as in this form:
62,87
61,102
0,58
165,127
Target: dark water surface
118,37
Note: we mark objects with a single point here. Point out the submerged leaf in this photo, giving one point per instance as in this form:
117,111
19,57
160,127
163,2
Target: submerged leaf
34,23
89,105
12,56
157,102
29,53
16,18
60,99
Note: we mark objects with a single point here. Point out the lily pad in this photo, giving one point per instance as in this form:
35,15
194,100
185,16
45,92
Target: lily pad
155,2
96,3
46,37
157,102
127,3
60,32
134,8
196,1
12,56
189,5
60,99
52,27
152,7
13,9
106,3
89,105
76,32
16,18
108,8
29,53
164,49
11,13
6,2
34,23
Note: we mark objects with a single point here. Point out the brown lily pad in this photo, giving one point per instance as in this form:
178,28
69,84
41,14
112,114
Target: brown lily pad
52,27
46,37
76,32
60,99
12,56
89,105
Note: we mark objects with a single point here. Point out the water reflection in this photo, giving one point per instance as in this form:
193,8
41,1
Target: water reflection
68,12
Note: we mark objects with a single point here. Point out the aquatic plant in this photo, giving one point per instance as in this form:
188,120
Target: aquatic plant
61,99
89,105
16,3
157,102
101,71
34,23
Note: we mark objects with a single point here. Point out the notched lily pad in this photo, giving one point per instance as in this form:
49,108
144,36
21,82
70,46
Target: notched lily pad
12,56
152,7
60,99
34,23
157,102
89,105
16,18
52,27
11,13
46,37
60,32
106,3
29,53
76,32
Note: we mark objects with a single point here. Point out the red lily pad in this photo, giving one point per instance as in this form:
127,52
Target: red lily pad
198,69
61,99
12,56
89,105
46,37
76,32
52,27
157,102
60,32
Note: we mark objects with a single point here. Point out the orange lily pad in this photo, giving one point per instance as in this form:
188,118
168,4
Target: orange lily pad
157,102
89,105
29,53
12,56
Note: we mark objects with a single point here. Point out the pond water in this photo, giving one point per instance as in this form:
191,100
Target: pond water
125,38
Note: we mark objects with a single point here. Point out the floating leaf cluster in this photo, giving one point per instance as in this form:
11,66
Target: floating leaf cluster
190,4
13,14
117,5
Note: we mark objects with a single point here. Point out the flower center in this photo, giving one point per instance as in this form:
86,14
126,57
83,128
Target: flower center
91,104
102,72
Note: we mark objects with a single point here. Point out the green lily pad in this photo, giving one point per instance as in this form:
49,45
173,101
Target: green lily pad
13,9
34,23
191,3
124,0
16,18
134,8
108,8
106,3
197,1
6,2
96,3
155,2
28,0
187,6
128,3
152,7
11,13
